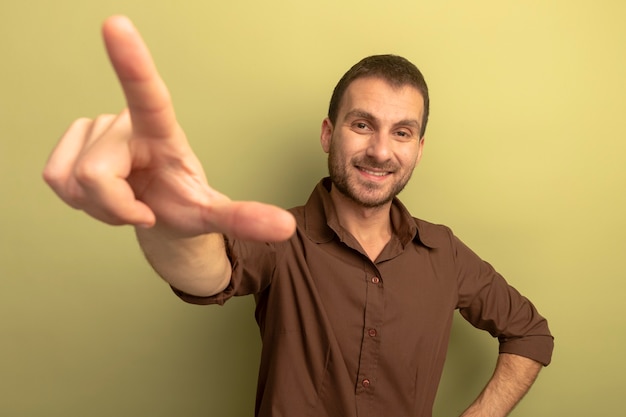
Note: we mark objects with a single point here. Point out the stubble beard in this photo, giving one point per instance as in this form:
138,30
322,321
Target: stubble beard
367,194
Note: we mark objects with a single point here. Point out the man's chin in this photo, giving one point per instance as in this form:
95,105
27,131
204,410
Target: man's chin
369,194
371,199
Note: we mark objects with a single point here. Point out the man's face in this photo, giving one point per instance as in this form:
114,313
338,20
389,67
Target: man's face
375,143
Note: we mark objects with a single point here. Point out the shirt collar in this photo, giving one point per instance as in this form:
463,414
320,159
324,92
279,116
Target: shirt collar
322,224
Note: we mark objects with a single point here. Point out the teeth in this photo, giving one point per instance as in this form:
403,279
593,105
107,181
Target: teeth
375,173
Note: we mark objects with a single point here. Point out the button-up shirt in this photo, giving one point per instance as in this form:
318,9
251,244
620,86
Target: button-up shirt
345,336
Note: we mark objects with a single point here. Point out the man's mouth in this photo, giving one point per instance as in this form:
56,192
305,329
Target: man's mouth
373,172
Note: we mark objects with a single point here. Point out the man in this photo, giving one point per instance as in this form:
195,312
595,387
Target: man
355,297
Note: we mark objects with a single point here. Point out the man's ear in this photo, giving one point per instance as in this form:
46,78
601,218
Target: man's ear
326,134
420,149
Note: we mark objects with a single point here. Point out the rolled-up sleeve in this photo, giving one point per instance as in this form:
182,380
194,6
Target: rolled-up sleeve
253,264
488,302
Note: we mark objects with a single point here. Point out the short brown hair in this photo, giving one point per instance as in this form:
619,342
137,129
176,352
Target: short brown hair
394,69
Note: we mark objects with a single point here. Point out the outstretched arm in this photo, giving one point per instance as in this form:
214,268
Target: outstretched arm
137,168
511,380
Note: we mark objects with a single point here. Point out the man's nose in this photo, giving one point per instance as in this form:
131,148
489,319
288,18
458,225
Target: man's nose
379,146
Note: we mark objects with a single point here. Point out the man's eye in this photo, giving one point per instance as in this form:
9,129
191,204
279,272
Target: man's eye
361,125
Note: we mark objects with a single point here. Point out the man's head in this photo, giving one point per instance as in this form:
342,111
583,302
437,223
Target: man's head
395,70
375,141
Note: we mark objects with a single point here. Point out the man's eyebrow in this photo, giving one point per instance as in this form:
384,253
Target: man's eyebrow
360,114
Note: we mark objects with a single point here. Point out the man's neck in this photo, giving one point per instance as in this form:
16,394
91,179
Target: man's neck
371,226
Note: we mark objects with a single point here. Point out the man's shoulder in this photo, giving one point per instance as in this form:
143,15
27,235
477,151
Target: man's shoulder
433,235
436,227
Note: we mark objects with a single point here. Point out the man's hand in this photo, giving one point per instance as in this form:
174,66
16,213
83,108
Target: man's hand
137,167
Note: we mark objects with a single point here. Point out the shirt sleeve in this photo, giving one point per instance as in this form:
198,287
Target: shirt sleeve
488,302
252,265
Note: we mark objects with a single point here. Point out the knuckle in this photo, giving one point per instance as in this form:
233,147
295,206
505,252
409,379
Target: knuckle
80,124
64,187
74,195
89,173
103,121
52,177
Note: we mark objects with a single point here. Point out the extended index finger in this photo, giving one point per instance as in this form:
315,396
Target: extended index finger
146,94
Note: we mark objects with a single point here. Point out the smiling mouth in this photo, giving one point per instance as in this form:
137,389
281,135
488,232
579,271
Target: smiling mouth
375,173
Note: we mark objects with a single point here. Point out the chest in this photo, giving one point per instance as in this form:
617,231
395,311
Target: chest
350,320
409,290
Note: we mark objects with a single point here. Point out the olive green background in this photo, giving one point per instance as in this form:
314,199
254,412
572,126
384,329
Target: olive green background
524,159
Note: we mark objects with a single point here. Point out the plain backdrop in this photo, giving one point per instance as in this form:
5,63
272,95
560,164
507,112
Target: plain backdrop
524,159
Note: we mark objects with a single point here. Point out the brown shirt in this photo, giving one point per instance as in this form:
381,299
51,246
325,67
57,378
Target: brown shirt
344,336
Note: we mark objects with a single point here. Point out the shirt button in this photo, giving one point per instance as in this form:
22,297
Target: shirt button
375,280
372,332
366,383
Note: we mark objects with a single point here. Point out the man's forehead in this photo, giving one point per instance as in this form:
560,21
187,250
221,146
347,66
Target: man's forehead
379,92
372,82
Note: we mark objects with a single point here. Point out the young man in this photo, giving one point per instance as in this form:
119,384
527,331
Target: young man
355,297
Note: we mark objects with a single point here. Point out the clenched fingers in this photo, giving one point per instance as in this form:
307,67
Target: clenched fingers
88,170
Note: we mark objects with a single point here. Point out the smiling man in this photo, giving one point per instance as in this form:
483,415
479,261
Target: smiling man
355,296
380,124
373,145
